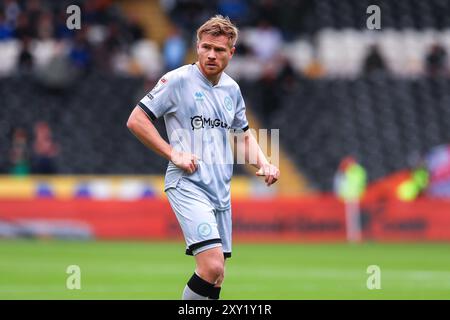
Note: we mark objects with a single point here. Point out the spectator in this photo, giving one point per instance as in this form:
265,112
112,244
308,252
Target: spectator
114,41
374,62
287,77
438,165
19,154
33,11
12,11
41,22
6,31
266,41
61,30
436,61
174,50
44,26
91,12
24,28
236,10
415,185
25,58
350,184
270,95
268,10
44,150
135,29
80,53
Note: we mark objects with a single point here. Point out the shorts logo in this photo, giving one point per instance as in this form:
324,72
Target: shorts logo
228,103
150,96
204,229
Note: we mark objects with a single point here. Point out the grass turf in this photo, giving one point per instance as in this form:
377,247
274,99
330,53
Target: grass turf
155,270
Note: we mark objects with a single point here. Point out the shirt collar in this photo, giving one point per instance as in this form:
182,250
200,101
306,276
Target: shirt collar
202,76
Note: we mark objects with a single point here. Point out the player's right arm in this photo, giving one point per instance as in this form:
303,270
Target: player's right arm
144,130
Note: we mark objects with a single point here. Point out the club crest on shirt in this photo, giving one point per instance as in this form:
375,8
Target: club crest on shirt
228,103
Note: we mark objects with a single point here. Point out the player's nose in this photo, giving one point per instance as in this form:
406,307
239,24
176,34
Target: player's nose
211,55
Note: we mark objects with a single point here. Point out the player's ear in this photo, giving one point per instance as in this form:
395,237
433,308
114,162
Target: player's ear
232,51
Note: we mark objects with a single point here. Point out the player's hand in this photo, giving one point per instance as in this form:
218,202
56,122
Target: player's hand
270,172
185,161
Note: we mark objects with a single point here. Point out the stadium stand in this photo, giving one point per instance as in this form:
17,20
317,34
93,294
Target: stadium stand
309,80
380,119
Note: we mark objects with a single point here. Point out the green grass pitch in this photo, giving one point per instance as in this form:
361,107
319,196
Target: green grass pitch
31,269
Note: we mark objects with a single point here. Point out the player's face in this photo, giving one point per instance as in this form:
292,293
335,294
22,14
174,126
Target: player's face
214,53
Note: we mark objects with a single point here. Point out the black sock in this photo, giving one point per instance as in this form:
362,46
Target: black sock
215,293
200,286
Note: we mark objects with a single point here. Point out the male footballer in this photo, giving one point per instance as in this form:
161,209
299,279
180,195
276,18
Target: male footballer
201,104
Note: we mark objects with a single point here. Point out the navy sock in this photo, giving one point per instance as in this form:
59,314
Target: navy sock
200,286
215,293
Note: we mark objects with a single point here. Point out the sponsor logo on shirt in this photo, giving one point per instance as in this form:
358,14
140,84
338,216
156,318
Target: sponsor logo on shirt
199,122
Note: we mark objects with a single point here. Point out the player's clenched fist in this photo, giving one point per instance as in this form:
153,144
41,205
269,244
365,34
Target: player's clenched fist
185,160
270,172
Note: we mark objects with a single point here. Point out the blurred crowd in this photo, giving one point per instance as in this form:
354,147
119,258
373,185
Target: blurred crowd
286,15
36,155
279,41
274,38
282,46
34,37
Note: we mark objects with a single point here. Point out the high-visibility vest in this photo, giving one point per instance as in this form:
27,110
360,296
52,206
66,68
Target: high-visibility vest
351,184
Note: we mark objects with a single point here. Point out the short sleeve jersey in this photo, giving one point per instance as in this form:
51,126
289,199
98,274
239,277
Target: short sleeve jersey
198,117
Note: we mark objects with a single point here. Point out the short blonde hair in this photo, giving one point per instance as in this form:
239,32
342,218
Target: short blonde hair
219,26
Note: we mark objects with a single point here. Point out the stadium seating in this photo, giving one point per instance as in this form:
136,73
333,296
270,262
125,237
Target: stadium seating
381,118
88,121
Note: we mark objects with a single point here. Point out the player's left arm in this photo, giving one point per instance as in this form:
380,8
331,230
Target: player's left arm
253,151
250,147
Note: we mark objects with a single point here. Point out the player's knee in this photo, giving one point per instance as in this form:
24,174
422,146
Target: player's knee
215,270
219,280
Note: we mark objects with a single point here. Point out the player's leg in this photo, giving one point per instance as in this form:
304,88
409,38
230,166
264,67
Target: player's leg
199,226
209,271
215,295
210,264
224,225
221,278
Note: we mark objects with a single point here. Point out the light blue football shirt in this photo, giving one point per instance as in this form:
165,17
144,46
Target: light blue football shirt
198,118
